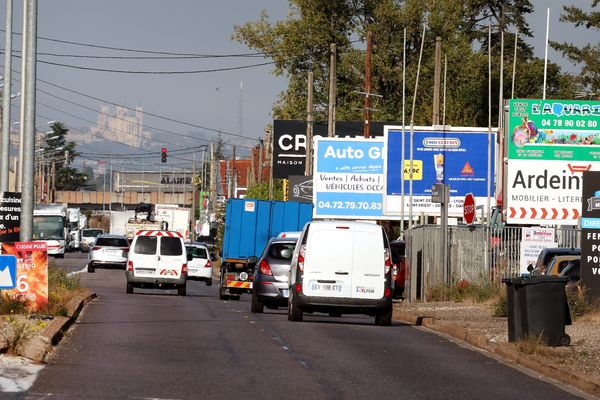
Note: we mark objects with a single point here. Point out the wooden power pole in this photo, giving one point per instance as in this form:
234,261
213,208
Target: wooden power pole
367,129
332,92
309,127
437,78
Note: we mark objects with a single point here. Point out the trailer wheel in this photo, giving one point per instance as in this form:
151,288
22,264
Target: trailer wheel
91,268
384,319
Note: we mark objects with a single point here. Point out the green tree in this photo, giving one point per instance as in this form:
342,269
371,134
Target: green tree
587,56
300,44
59,154
260,191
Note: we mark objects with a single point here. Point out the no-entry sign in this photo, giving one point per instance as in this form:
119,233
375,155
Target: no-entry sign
469,208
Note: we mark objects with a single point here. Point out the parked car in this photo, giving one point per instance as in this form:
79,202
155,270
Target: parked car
399,266
573,271
341,267
108,251
271,275
157,260
558,263
200,267
88,237
547,254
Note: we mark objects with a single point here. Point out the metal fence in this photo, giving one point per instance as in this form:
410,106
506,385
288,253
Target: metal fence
479,254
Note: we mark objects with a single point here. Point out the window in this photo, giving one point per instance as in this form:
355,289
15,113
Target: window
196,252
92,232
171,246
112,242
145,245
281,251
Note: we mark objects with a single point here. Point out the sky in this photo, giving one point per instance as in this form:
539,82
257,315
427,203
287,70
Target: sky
212,100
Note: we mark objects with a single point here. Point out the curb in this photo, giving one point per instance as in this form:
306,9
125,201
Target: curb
38,347
504,350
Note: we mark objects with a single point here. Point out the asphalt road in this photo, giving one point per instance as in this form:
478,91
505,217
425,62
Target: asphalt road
157,345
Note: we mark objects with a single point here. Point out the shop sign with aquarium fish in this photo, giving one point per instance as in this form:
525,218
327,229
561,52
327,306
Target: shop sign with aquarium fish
550,144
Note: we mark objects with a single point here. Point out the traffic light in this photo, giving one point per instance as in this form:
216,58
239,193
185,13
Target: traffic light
164,155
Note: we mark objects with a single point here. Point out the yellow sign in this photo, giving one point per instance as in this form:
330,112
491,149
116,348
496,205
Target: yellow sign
197,180
285,190
417,170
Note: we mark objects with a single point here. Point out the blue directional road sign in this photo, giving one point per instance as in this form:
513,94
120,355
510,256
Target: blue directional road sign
8,272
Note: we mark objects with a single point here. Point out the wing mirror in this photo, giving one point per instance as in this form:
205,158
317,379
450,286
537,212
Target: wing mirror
530,268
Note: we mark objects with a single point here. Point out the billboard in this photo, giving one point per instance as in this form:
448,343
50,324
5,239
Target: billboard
300,188
10,216
31,272
590,234
456,156
289,142
550,143
348,178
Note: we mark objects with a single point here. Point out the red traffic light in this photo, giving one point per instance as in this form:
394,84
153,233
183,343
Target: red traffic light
164,155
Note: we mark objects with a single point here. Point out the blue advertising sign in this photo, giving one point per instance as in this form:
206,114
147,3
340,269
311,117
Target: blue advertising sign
8,272
348,179
457,157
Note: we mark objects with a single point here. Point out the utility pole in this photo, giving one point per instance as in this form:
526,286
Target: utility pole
6,97
437,77
213,179
332,95
367,127
309,126
233,176
260,160
28,76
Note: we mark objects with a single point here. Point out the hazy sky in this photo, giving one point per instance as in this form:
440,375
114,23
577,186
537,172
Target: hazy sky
213,100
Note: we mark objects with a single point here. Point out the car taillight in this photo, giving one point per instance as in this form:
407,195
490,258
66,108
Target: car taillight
130,266
388,292
265,268
301,258
298,287
208,264
388,261
184,268
96,248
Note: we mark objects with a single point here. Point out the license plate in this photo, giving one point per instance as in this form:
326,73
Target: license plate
325,287
144,271
192,270
285,292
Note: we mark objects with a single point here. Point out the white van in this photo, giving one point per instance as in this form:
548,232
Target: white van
157,259
342,267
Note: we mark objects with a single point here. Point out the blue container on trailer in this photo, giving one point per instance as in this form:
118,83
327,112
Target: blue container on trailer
249,224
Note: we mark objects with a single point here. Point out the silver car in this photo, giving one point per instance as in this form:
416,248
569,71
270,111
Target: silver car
271,275
108,251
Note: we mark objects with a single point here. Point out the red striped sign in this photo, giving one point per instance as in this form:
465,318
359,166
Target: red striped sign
159,233
239,284
550,214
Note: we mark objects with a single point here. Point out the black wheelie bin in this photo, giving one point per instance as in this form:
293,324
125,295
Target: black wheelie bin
537,306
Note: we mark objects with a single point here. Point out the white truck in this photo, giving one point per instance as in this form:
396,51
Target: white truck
118,221
74,227
50,226
176,218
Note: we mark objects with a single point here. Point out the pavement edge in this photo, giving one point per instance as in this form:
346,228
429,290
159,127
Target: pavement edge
38,347
504,350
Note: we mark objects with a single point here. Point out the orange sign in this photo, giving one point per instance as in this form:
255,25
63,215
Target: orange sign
32,272
467,170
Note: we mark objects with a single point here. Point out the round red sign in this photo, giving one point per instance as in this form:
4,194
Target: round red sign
469,208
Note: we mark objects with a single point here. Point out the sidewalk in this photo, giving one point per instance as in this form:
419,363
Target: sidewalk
40,344
577,365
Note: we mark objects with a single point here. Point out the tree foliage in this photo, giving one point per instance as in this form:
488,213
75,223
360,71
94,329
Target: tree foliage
301,44
587,56
260,191
57,154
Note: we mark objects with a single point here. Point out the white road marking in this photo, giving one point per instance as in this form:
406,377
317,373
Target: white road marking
17,374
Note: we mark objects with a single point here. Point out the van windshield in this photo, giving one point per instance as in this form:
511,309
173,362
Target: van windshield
145,245
171,246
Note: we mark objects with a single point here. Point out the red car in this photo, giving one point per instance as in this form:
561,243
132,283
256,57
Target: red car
399,261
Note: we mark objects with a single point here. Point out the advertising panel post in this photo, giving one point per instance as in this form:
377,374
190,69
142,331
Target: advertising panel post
590,234
550,144
31,276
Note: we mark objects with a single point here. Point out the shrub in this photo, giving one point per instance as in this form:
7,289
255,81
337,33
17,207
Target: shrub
500,305
464,290
578,305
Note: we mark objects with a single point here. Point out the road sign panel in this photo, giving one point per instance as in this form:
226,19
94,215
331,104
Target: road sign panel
469,208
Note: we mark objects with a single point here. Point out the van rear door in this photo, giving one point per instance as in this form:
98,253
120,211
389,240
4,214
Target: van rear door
144,256
172,257
328,261
368,268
